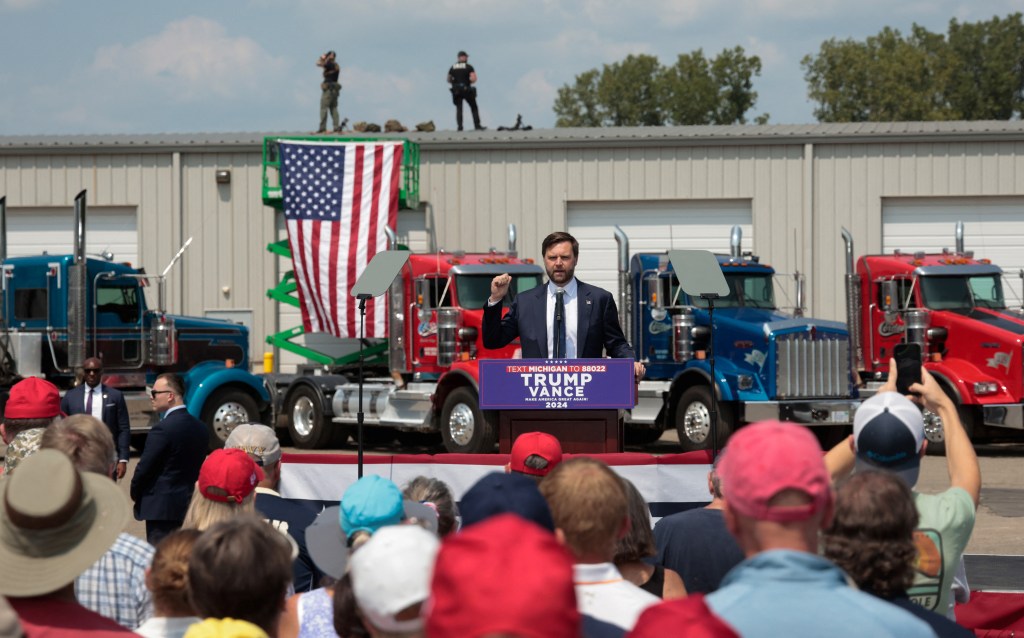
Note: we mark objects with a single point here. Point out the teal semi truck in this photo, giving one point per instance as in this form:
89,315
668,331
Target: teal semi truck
58,310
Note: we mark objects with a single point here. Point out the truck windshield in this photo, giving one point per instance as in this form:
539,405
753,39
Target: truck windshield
746,290
473,290
954,293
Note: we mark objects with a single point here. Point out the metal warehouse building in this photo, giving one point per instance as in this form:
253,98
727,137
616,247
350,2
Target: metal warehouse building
790,188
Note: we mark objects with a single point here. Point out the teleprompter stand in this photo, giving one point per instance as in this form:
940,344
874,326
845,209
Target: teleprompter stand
375,281
700,276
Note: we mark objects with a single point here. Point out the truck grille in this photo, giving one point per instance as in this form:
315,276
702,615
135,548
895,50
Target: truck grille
812,365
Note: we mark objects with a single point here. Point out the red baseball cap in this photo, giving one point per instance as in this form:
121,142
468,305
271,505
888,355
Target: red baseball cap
33,398
229,476
503,576
535,443
691,612
764,459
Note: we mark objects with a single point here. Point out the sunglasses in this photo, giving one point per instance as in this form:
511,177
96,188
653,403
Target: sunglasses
153,393
92,370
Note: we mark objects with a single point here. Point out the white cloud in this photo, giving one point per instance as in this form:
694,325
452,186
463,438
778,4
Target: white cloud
771,53
191,58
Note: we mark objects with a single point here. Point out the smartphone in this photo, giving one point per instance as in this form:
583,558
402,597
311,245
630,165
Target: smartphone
908,366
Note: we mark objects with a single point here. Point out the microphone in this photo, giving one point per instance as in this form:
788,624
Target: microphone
559,306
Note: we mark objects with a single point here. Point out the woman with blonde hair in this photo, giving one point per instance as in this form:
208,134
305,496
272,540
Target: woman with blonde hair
226,487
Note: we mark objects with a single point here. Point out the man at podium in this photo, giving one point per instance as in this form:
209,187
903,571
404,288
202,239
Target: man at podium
563,319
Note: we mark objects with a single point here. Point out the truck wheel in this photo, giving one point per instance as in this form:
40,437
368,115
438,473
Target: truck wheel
306,423
935,433
464,427
693,419
225,410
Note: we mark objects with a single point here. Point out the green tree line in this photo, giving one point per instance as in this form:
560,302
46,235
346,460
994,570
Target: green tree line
975,71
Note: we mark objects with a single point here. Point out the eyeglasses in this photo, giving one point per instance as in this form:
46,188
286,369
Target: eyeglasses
153,393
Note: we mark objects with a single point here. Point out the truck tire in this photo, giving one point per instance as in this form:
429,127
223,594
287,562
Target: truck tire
306,423
465,429
935,433
693,419
226,409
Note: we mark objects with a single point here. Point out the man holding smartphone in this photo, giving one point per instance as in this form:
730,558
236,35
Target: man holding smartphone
888,436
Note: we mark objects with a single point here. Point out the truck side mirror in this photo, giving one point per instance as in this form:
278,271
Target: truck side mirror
424,293
890,300
654,287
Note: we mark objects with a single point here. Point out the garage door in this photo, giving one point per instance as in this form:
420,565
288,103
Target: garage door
651,227
993,229
33,231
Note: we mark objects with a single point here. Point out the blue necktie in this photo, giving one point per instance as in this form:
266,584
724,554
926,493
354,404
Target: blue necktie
560,324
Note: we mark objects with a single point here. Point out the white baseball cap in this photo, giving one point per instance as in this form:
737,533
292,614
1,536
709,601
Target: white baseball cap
392,572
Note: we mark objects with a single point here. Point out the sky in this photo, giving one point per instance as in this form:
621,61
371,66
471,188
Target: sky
187,66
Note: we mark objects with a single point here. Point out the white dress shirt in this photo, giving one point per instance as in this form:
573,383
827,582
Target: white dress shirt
571,317
97,400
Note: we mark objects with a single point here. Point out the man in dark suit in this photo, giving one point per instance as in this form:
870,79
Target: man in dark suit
167,472
589,314
106,404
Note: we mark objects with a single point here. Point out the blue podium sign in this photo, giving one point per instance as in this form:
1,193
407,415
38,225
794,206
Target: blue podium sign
556,384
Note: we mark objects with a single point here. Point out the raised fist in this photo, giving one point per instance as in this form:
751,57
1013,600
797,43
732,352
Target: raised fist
499,286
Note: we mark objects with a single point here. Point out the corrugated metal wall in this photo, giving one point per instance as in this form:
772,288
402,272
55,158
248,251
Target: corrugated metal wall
852,180
472,194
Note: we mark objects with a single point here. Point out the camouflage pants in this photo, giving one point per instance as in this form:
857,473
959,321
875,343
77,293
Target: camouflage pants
329,102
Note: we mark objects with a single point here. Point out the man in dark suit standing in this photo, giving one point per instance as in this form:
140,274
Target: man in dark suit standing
106,404
587,314
167,472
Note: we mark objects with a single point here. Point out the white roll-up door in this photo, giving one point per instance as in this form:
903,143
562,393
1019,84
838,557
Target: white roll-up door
993,229
651,226
113,229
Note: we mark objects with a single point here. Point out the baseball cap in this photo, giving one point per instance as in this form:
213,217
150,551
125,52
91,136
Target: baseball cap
462,54
258,441
56,522
498,493
539,444
367,505
690,612
33,398
503,576
888,432
228,476
391,572
767,458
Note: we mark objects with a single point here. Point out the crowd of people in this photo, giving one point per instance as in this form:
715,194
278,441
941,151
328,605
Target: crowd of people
795,541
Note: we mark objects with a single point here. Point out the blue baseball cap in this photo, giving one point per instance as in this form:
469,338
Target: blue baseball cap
369,504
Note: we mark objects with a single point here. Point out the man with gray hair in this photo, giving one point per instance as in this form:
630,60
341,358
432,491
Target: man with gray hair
289,516
696,543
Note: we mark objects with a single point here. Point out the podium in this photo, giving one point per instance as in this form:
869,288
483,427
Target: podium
579,431
578,401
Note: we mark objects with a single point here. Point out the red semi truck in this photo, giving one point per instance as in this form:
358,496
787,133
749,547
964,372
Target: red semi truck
951,304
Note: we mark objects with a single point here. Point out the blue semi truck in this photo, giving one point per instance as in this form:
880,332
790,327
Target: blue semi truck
768,365
58,310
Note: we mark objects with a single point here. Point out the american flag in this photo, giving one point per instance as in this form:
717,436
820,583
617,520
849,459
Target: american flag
338,197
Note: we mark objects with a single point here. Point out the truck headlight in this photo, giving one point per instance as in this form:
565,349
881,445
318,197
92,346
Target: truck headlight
985,387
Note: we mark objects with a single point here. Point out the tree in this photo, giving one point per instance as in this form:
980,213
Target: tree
976,72
639,91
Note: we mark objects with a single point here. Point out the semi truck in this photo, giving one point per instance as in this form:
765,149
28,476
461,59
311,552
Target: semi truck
768,364
953,305
58,310
420,382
